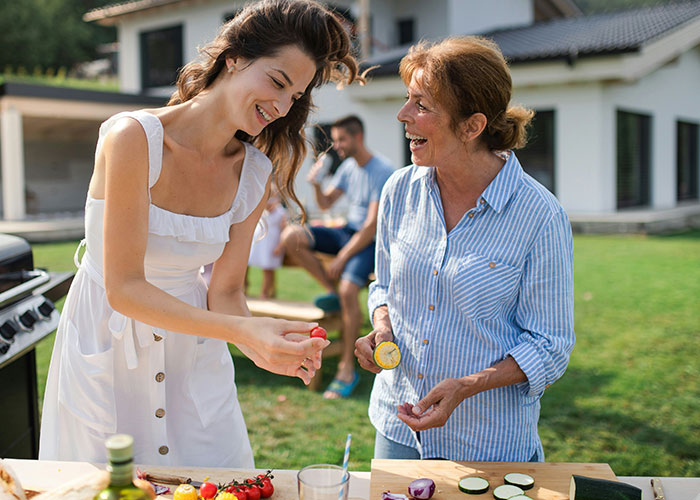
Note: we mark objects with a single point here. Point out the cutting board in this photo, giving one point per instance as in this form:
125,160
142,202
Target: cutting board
551,479
285,481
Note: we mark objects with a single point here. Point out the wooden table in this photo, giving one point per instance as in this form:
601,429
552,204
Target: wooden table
44,475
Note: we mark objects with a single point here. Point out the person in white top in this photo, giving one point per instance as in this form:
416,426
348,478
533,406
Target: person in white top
266,252
141,347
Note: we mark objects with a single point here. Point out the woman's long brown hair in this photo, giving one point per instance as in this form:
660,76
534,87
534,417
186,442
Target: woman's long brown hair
260,30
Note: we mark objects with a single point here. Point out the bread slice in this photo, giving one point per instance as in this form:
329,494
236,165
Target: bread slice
10,487
82,488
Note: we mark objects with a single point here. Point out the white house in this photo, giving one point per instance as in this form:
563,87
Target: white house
617,95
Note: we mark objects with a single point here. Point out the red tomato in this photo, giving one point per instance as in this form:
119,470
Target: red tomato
240,492
207,490
254,492
267,489
318,332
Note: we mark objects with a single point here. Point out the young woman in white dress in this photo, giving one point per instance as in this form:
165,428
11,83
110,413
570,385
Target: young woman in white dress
142,343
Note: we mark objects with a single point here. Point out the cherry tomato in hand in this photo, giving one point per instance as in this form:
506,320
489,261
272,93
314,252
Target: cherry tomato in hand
207,490
267,489
319,332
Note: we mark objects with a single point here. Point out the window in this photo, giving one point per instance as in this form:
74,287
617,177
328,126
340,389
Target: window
161,57
687,161
405,28
633,159
537,157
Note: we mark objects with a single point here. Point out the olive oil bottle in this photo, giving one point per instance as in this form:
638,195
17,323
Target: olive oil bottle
120,452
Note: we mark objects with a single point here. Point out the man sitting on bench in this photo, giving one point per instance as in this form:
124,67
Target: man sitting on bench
360,177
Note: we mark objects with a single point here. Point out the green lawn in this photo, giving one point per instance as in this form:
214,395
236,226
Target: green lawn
630,397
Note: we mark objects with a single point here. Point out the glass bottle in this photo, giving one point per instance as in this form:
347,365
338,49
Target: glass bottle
120,452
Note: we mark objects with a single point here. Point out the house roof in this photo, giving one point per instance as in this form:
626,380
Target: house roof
572,38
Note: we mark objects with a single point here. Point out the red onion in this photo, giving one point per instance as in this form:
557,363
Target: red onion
387,495
421,489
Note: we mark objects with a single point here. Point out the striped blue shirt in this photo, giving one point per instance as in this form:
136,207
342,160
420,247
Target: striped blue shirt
499,284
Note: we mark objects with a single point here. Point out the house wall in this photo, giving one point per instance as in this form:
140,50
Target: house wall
200,25
468,17
583,177
668,94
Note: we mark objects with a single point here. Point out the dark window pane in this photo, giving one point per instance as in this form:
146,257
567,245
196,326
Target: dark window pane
537,158
161,56
405,30
687,161
633,159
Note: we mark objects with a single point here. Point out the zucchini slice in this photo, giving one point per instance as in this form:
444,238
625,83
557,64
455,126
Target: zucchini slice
591,488
386,355
506,491
520,497
522,481
473,485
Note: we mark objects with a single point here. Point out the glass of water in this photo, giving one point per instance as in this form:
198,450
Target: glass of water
323,482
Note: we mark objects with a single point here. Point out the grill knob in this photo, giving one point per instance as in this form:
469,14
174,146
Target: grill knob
8,330
45,309
27,319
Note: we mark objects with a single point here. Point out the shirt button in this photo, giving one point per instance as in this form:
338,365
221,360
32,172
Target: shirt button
160,413
492,265
434,272
160,376
431,307
425,341
163,450
420,376
470,214
482,201
157,338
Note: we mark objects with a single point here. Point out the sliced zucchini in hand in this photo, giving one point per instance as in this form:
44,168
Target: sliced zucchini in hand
473,485
522,481
591,488
506,491
520,497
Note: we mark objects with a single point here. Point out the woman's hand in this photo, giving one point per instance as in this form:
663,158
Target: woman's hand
364,347
280,346
437,406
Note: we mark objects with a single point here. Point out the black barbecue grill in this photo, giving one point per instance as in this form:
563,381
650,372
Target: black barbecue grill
27,315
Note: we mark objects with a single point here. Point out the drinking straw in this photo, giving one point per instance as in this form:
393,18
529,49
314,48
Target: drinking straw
345,466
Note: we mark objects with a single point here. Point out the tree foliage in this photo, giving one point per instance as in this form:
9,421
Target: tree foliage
49,33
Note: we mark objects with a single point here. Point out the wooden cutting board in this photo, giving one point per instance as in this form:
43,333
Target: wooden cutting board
551,479
285,481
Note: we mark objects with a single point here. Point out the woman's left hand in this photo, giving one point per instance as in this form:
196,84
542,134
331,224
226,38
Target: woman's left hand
437,406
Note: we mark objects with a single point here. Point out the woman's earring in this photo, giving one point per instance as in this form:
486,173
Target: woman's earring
230,70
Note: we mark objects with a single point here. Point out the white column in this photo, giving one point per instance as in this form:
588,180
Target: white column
12,145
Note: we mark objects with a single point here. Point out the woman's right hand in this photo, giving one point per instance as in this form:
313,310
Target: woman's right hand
364,347
281,346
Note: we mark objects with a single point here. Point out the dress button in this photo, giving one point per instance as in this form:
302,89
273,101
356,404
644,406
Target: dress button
492,265
160,413
160,376
163,450
420,376
431,307
434,272
425,341
157,338
470,214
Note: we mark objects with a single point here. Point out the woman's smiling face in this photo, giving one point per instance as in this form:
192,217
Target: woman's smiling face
266,88
428,126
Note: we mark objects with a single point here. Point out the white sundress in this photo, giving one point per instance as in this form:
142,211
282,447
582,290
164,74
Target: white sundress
175,393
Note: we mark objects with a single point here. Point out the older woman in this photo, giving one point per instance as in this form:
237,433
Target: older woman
474,270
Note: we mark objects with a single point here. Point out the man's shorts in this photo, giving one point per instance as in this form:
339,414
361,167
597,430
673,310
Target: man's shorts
331,239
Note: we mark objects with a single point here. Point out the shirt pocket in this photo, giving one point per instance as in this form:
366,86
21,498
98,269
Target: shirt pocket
482,286
211,382
86,382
